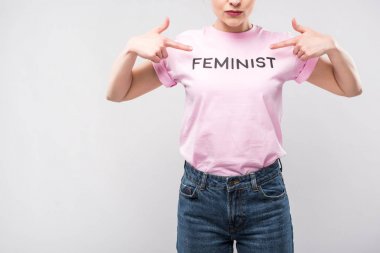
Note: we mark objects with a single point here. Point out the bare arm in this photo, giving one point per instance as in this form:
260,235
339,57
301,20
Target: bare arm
144,79
335,72
345,75
121,76
128,82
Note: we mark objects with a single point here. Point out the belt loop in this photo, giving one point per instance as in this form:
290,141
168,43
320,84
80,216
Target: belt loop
203,182
279,160
253,181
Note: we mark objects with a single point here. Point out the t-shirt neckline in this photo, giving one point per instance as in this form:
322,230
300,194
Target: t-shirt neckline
219,33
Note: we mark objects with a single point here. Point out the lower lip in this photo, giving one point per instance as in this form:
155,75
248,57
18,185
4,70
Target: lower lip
233,14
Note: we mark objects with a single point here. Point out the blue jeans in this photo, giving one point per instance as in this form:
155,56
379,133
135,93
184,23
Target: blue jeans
252,209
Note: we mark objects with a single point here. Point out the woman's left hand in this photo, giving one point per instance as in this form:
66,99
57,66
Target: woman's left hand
309,43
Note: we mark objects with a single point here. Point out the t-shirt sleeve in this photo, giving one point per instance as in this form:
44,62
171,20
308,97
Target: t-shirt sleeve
304,68
164,68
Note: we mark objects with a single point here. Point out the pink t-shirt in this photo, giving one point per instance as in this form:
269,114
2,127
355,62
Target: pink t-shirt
233,84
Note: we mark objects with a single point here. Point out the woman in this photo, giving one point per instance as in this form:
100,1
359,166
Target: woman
233,73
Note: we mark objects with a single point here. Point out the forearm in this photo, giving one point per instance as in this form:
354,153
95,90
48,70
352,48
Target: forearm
121,75
345,71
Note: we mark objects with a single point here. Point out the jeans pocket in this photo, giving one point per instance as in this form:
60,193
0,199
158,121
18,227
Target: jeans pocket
188,188
273,188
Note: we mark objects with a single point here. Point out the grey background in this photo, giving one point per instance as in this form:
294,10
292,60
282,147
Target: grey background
79,173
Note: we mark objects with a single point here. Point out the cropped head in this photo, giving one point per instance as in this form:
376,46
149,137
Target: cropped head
232,21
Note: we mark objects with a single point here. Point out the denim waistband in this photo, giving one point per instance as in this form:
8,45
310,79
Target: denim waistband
256,178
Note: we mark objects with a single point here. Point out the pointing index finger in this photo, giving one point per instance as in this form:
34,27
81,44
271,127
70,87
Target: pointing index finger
177,45
284,43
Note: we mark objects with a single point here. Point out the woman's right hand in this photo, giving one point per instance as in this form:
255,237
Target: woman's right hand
152,45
